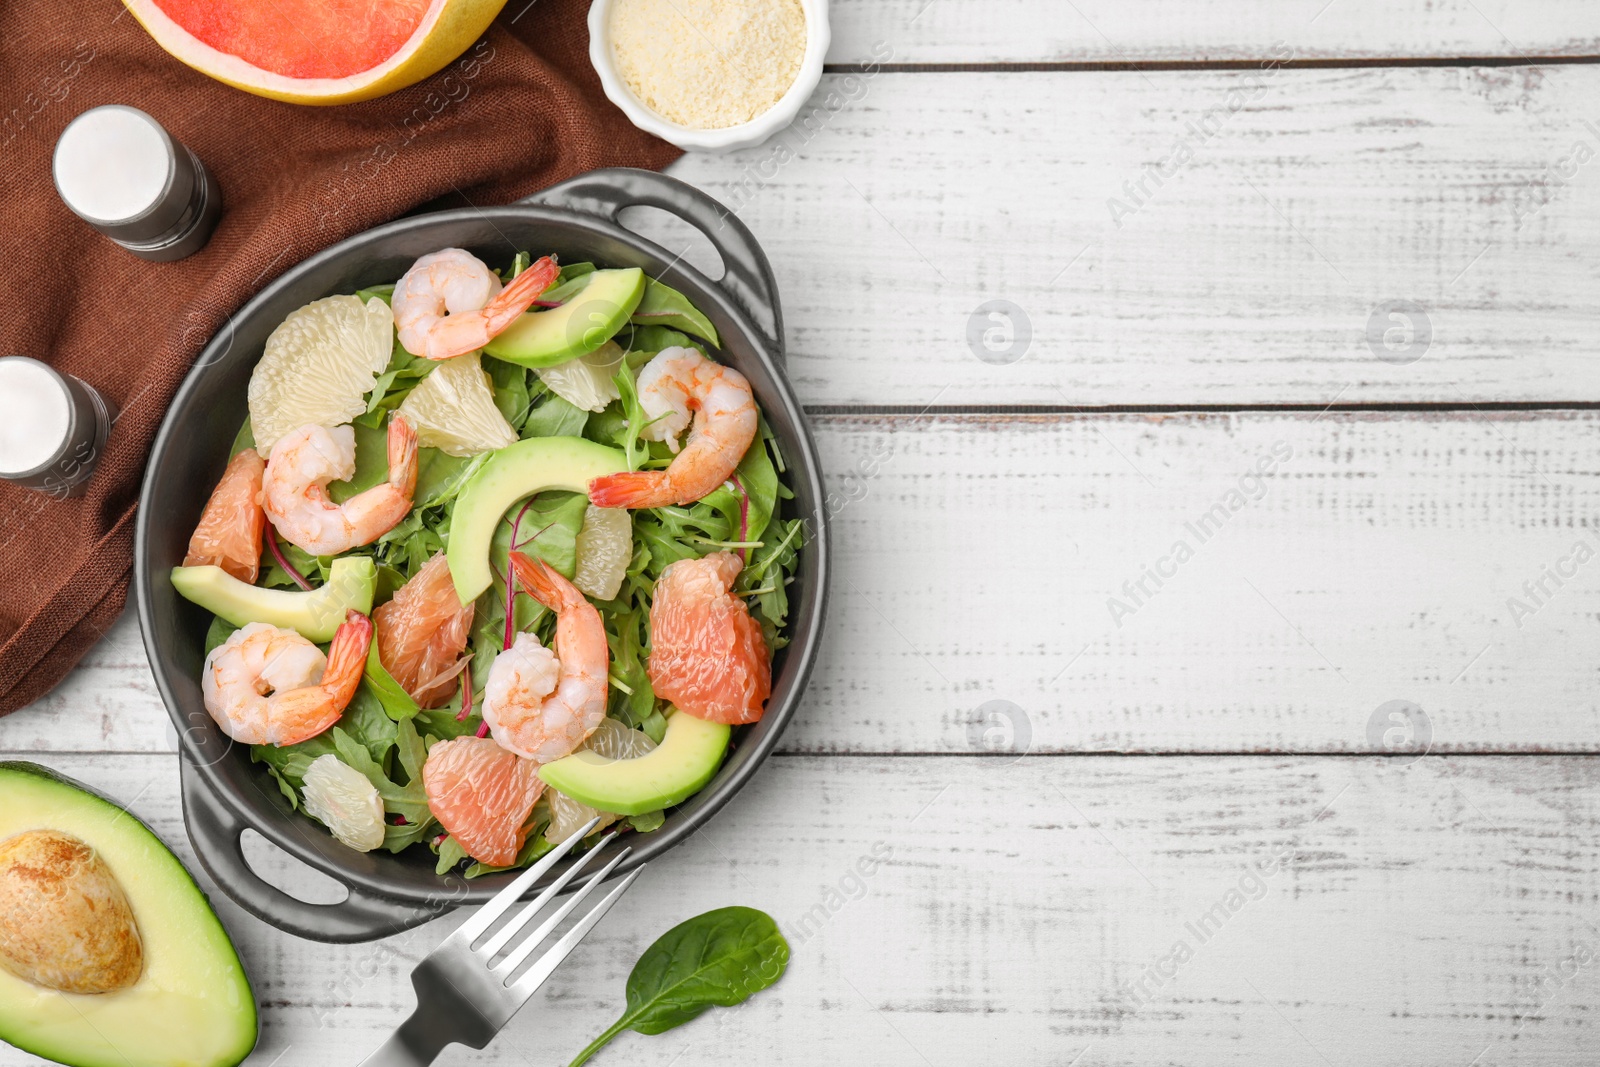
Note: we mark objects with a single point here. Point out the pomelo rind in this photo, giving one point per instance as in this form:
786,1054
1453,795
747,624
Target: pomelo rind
447,30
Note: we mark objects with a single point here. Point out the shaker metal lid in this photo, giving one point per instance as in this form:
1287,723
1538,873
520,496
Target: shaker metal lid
122,173
35,416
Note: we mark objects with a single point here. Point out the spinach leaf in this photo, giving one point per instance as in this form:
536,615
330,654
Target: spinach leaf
553,417
719,958
372,463
219,631
574,270
245,438
441,476
663,305
510,383
648,340
441,723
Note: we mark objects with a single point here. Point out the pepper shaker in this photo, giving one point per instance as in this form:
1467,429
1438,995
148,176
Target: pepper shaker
122,173
53,427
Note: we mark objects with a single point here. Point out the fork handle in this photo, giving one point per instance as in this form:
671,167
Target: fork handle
416,1043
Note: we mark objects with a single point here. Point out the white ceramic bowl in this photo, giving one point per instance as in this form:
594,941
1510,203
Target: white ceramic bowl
728,138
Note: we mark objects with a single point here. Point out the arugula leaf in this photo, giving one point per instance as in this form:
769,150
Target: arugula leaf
407,800
450,854
396,838
367,723
719,958
650,820
532,849
285,788
289,764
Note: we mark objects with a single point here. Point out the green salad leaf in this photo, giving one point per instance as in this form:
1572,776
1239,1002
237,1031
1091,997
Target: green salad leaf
663,305
377,680
719,958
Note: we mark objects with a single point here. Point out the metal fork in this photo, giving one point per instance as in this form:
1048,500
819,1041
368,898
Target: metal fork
464,995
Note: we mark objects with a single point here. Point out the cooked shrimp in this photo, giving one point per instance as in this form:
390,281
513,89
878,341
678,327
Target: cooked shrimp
675,383
707,655
449,303
295,489
267,686
541,704
230,530
422,632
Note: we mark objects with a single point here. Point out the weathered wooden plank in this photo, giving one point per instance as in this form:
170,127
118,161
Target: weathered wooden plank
1334,910
1165,249
997,589
1127,31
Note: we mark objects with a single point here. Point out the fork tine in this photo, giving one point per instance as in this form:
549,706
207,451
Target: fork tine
508,965
524,987
522,918
501,902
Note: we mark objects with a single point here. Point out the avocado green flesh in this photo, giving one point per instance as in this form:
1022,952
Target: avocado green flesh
509,475
314,615
192,1005
585,322
675,770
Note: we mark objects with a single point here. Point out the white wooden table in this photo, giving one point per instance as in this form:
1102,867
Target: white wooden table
1075,781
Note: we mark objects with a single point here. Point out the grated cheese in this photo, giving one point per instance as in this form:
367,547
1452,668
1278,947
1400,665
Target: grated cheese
708,64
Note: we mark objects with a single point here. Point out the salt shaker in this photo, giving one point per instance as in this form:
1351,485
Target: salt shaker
122,173
53,427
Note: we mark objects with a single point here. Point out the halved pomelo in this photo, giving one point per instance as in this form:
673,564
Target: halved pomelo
316,51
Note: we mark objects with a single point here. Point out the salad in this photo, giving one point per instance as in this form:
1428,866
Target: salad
497,552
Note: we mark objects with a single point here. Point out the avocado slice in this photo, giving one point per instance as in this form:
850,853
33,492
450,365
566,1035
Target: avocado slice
191,1005
314,614
507,476
587,320
673,771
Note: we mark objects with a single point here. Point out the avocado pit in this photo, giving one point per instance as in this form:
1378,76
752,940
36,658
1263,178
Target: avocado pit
65,922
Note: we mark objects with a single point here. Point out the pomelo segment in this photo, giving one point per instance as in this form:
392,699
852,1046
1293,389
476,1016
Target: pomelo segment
316,51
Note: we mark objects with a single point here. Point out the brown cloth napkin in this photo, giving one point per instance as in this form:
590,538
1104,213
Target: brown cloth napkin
520,110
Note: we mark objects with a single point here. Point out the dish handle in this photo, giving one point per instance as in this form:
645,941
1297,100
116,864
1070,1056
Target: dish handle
748,276
214,830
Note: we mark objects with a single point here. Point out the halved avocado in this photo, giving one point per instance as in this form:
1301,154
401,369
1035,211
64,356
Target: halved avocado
689,754
507,476
314,614
191,1004
587,320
